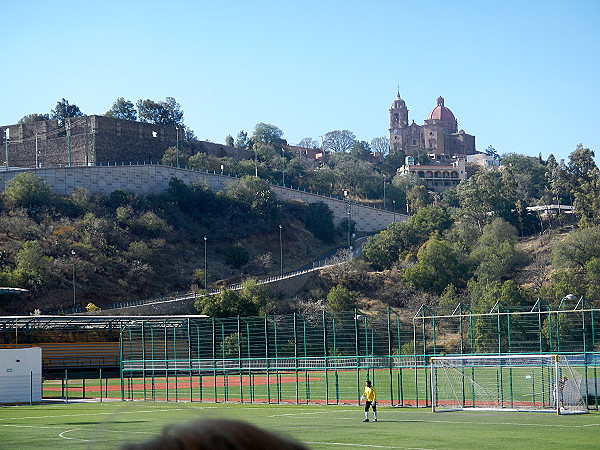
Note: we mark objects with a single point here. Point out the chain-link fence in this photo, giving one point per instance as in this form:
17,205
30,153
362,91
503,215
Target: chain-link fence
325,358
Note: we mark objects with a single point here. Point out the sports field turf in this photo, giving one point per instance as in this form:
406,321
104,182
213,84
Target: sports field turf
107,425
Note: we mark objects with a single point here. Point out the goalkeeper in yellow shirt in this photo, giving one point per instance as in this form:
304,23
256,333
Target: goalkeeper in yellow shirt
371,399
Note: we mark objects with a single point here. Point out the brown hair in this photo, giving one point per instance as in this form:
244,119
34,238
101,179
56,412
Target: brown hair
219,434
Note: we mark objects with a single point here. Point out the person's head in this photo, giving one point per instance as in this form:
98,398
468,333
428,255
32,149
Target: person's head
368,383
210,434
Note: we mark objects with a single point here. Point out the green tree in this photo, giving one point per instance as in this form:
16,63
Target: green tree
418,197
356,175
236,255
319,221
122,109
171,157
30,118
150,224
529,174
490,332
27,190
64,110
385,248
487,194
256,194
361,149
430,219
166,112
585,182
259,295
268,134
242,140
229,140
235,345
438,265
340,299
226,303
140,251
495,252
577,248
31,265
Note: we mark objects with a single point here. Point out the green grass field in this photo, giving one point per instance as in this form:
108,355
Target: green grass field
107,425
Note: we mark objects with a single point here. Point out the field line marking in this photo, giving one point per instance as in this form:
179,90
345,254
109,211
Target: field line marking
117,412
30,426
62,435
312,413
366,445
458,422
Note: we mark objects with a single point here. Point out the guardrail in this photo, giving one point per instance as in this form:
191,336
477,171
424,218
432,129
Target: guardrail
335,259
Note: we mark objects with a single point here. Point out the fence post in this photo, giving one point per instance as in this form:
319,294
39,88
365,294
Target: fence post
66,389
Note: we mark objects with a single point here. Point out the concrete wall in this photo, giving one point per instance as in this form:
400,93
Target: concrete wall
21,375
145,179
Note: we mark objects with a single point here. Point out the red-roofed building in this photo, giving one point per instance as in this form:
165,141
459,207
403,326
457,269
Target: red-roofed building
439,135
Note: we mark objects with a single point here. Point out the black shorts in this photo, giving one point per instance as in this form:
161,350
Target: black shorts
368,405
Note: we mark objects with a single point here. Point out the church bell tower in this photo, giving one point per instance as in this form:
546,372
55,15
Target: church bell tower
398,123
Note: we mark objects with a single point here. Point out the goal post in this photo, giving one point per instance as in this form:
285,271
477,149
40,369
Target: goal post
543,383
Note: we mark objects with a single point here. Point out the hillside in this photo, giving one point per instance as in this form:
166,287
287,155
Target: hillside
81,249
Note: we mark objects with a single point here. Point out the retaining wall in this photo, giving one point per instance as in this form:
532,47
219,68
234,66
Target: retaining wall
146,179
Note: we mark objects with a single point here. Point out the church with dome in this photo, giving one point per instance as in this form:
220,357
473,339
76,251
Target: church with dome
439,137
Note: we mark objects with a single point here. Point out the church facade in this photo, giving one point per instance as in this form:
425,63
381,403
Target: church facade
439,137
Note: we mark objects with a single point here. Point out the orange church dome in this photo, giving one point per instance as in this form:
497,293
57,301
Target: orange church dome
444,115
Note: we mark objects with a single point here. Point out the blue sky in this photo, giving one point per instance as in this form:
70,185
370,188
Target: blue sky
521,76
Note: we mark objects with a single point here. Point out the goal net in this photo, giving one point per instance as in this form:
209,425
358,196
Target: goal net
545,383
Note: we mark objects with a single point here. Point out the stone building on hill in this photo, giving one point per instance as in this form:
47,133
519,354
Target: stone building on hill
439,137
95,140
435,151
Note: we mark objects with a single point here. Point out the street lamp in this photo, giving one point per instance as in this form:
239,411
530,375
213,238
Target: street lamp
348,209
6,138
280,252
222,167
205,272
282,169
74,294
394,202
177,147
383,174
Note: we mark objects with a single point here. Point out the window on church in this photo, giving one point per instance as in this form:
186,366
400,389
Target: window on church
414,142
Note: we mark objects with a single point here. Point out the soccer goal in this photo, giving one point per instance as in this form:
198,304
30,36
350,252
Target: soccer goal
544,383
